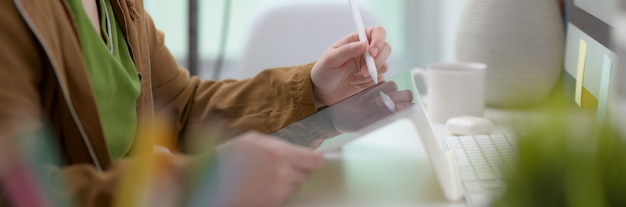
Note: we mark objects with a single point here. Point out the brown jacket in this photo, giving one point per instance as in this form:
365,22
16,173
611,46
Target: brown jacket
44,82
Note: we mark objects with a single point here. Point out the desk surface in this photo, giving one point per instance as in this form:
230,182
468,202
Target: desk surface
386,167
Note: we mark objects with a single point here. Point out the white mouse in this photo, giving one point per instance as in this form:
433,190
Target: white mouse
469,125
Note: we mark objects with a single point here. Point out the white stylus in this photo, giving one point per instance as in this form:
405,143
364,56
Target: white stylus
388,101
360,29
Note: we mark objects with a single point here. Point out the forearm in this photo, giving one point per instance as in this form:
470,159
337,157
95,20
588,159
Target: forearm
265,103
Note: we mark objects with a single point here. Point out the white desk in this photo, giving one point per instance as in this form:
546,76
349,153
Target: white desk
387,167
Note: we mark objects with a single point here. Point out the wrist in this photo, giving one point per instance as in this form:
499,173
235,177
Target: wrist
318,103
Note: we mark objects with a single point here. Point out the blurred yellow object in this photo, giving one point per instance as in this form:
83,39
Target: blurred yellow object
150,179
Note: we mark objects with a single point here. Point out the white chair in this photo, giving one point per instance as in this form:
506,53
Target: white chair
294,33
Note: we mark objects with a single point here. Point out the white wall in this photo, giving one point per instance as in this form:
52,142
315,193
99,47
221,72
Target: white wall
432,30
420,31
451,13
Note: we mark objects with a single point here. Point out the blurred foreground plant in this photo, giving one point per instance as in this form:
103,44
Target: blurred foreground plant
566,159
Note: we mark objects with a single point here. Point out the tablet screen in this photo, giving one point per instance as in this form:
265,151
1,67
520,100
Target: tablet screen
349,117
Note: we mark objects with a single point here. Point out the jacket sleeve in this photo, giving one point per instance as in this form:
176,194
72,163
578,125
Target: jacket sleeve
266,103
20,76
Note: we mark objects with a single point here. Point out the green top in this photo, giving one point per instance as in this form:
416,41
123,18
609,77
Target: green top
113,76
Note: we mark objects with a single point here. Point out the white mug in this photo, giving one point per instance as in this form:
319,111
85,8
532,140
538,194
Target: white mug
454,89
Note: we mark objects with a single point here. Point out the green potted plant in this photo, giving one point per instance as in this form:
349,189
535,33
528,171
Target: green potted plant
566,159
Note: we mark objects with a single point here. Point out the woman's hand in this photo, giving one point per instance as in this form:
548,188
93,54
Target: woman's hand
259,170
341,71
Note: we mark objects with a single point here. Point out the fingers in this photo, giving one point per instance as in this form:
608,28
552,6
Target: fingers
305,159
398,97
361,82
277,150
351,47
377,36
352,37
363,77
379,48
381,59
261,170
301,158
367,82
383,55
402,106
378,45
343,53
401,96
374,93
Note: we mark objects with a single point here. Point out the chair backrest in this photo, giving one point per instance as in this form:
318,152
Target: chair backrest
295,33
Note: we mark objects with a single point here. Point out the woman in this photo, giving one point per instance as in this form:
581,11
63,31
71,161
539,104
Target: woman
94,70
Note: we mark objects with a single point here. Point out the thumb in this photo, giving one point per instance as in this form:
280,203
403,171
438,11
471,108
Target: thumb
345,52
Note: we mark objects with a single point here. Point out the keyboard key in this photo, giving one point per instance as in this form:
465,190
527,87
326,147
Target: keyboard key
487,176
492,184
479,200
480,160
481,165
469,176
473,186
461,158
466,169
483,138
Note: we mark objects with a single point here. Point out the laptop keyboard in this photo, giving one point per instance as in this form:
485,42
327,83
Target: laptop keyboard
480,159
